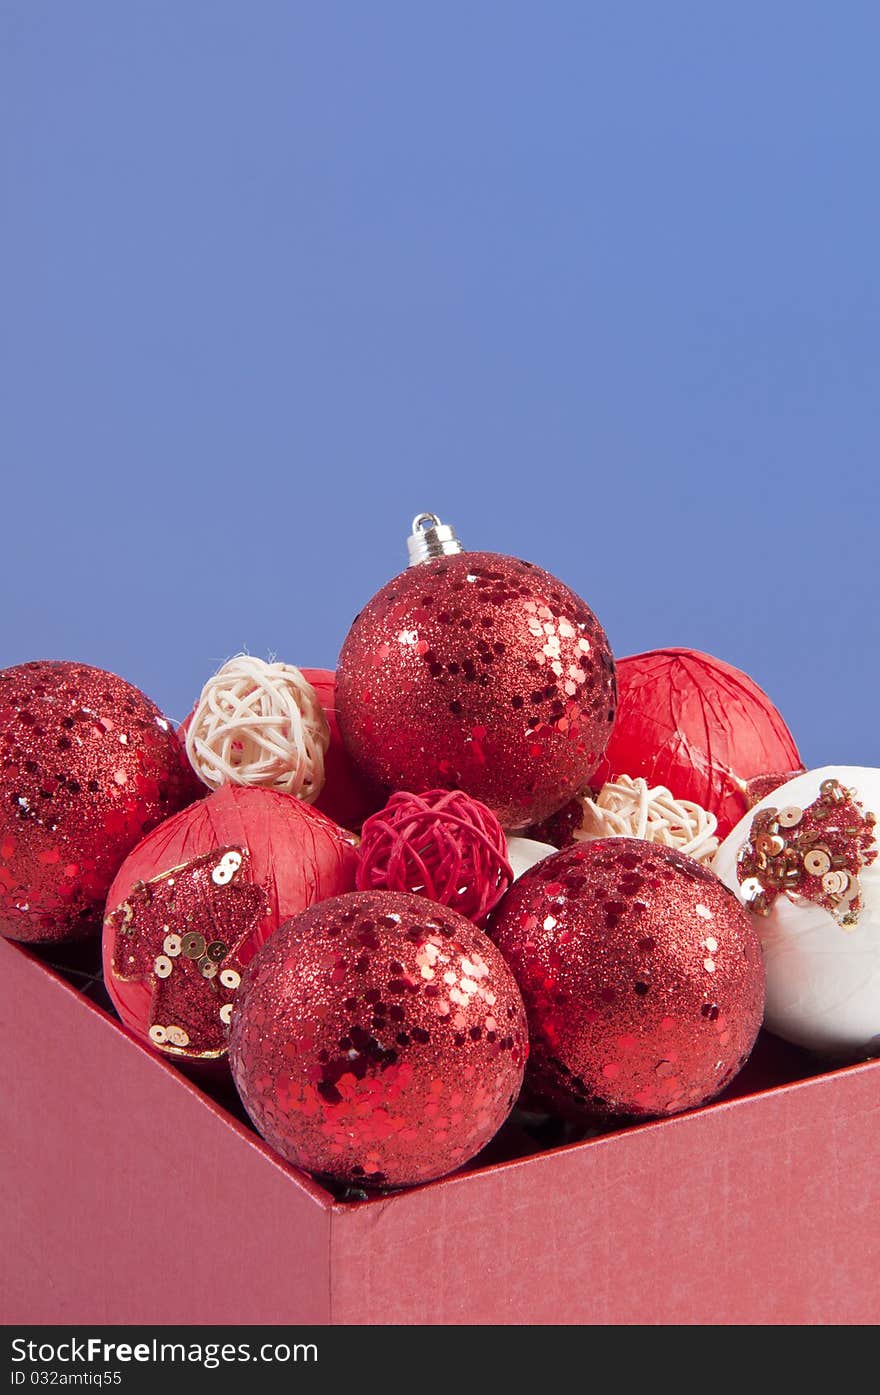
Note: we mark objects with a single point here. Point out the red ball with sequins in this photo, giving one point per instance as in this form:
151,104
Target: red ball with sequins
88,765
478,672
378,1039
641,974
193,903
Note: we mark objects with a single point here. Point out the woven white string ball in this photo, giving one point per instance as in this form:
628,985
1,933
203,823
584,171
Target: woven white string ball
628,808
259,723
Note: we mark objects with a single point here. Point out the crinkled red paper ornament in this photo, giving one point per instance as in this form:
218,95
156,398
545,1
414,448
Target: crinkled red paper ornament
479,672
641,974
441,844
378,1039
698,726
88,765
348,796
193,903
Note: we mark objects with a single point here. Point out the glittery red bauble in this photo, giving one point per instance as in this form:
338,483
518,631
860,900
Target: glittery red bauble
699,727
88,765
641,974
347,796
193,903
441,844
482,673
378,1039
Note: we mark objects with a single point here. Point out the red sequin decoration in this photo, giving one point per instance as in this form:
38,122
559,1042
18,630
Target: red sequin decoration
378,1039
182,935
88,765
641,974
441,844
482,673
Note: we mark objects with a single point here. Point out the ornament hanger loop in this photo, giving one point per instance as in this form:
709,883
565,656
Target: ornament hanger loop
430,538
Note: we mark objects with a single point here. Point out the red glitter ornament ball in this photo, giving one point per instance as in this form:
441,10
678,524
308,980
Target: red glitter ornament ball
378,1039
441,844
193,903
699,727
88,765
483,673
641,974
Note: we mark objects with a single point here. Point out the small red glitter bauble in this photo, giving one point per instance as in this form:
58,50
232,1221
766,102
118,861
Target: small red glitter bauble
441,844
641,974
483,673
88,765
699,727
193,903
378,1039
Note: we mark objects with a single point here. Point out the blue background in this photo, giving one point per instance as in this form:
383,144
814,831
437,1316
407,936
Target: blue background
598,283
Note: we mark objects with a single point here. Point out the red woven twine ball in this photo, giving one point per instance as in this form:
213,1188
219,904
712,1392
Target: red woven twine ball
441,844
378,1039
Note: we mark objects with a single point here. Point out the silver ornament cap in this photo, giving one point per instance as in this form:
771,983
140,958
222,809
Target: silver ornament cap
430,538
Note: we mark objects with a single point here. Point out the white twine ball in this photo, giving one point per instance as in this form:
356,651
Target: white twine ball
259,724
629,808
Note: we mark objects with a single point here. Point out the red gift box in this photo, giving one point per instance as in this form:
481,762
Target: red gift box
132,1196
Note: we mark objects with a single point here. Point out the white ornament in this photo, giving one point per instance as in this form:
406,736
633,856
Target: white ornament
523,853
259,724
823,969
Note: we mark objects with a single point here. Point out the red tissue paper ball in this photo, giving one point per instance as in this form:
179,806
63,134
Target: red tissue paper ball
482,673
88,765
641,974
699,727
441,844
347,796
193,903
378,1039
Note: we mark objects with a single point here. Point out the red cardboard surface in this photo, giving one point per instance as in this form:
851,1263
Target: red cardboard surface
128,1195
131,1196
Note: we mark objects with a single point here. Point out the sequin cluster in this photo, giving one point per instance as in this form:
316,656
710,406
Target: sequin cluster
88,765
182,934
378,1039
813,854
482,673
641,975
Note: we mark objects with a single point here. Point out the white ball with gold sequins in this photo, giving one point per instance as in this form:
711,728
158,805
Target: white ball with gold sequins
805,862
